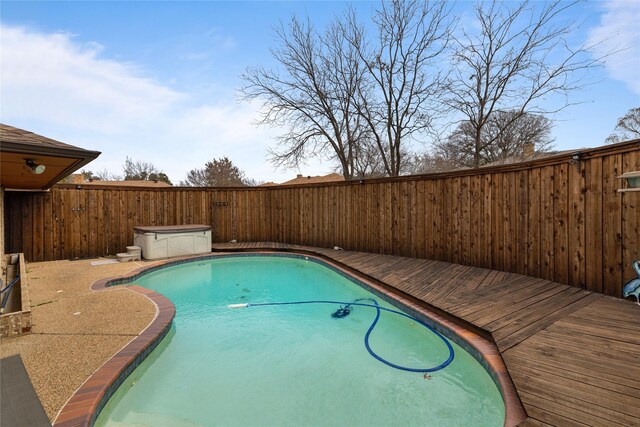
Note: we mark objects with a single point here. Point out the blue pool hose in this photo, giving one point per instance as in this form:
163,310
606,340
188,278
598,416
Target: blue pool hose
373,325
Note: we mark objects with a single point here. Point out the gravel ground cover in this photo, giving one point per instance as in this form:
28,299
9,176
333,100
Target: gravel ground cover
75,330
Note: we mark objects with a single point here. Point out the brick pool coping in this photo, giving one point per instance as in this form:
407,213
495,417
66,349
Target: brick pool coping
85,405
83,408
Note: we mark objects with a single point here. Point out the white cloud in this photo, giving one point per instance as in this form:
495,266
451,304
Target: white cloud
53,85
53,78
619,31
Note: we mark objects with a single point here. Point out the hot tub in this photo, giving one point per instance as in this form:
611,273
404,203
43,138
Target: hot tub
172,240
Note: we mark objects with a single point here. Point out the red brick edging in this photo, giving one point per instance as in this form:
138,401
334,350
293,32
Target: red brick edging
84,406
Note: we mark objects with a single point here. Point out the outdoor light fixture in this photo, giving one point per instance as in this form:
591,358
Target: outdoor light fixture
575,159
34,167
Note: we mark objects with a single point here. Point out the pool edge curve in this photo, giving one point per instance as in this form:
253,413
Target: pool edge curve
84,406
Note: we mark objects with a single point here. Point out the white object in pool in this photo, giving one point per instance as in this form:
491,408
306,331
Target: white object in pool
237,305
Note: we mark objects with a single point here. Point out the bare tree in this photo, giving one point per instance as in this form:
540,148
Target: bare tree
103,175
312,96
368,163
340,95
143,171
404,97
628,127
217,173
516,62
504,136
431,162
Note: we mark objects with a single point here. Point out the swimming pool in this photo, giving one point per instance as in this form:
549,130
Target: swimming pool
293,364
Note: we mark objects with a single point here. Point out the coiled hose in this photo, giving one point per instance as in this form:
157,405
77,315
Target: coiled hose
374,304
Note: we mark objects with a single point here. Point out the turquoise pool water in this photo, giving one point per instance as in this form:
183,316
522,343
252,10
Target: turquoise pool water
292,365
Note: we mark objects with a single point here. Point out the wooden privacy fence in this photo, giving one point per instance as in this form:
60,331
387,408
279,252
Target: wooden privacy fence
557,218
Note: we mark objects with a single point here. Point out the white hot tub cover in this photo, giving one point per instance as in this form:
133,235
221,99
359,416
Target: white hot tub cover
172,240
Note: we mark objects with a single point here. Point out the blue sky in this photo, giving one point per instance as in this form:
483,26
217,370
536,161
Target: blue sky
158,81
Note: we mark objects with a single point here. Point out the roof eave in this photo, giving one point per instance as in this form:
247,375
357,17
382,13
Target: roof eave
79,153
83,156
68,171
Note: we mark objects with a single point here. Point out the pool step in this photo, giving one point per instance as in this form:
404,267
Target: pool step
125,257
133,254
134,250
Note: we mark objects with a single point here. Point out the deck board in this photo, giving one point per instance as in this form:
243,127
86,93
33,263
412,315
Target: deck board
573,354
509,306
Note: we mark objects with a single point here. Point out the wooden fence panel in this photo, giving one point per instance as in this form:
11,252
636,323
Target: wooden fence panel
533,243
593,225
630,217
576,226
557,219
497,261
547,225
523,204
612,224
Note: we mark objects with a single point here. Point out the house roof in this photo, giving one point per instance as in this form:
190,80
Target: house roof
527,158
78,179
128,183
19,145
332,177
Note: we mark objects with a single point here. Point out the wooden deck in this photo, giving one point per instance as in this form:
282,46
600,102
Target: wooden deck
573,355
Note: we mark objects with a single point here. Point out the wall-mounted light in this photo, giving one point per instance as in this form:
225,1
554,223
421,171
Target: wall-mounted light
575,159
34,167
633,181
